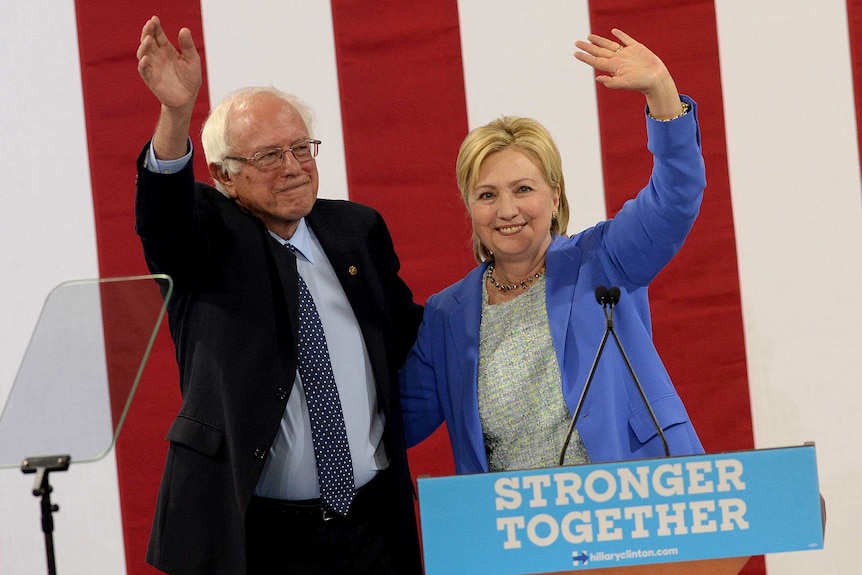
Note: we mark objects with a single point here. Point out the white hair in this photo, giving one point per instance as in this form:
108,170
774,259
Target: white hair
216,137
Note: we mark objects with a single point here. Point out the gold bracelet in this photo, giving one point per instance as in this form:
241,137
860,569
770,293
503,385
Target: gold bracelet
685,109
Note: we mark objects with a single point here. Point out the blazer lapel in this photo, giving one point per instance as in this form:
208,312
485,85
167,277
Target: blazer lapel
285,264
350,261
464,323
563,263
285,294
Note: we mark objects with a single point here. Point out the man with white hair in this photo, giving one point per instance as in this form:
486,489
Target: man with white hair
290,323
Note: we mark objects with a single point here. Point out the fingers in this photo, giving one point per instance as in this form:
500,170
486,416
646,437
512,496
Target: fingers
590,59
624,39
606,45
145,59
625,64
142,49
149,37
187,44
154,36
602,47
155,44
601,53
597,52
147,30
592,49
153,28
146,47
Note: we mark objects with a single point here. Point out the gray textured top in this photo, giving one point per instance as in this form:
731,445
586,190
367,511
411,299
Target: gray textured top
524,416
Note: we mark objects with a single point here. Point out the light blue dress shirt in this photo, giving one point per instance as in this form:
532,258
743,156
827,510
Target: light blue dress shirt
290,471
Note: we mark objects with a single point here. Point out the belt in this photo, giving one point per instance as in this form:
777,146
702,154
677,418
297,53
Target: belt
365,503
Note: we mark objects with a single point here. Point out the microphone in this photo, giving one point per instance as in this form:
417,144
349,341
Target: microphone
602,295
608,298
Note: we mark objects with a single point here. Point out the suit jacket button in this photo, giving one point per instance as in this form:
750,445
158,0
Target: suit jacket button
259,453
281,393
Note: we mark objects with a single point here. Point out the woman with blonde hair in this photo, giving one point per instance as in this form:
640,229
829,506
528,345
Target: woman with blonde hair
503,355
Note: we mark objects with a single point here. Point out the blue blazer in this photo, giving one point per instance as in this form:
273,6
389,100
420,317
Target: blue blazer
439,379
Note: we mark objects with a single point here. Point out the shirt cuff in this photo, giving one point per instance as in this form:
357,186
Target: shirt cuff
155,165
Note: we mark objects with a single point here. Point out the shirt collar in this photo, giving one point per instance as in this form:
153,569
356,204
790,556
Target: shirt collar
300,240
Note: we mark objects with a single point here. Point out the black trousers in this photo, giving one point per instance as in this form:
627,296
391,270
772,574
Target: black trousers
294,538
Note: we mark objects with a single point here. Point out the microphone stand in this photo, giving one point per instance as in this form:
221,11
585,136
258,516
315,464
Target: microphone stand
608,298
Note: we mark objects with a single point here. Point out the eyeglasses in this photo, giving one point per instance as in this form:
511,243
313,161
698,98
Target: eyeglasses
271,158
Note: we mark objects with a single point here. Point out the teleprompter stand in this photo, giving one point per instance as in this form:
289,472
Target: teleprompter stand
42,466
76,381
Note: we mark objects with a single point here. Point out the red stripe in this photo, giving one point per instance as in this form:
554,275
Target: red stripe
854,21
120,115
404,116
697,314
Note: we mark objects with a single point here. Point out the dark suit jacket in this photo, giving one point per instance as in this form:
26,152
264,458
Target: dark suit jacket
233,320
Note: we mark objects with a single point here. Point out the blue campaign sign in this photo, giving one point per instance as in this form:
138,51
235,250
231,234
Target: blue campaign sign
628,513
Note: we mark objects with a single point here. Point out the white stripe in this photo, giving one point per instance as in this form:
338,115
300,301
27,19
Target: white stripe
794,171
47,230
288,44
518,60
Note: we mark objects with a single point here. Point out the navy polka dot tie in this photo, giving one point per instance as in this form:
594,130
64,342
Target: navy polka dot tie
328,434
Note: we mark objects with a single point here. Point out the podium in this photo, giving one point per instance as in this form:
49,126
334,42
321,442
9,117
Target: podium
729,566
76,381
704,514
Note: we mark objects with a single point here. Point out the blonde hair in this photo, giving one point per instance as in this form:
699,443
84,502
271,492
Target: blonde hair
526,134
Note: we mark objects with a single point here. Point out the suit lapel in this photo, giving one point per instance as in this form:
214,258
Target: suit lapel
563,263
464,322
285,264
285,294
350,259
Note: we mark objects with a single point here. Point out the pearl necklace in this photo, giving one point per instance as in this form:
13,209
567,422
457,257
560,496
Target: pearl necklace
509,287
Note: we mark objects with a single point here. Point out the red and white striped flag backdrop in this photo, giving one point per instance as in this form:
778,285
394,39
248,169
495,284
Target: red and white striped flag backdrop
755,318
